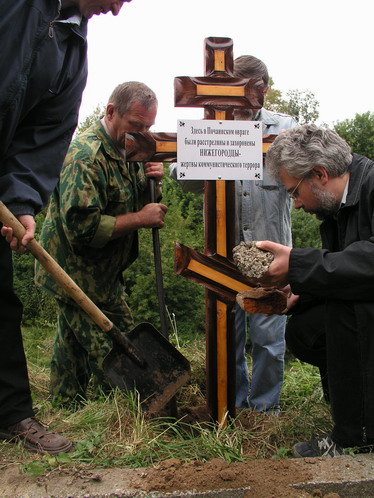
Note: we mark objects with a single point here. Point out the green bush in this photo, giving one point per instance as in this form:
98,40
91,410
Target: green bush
305,229
38,307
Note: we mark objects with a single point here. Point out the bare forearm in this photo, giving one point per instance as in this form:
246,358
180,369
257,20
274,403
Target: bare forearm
151,216
126,223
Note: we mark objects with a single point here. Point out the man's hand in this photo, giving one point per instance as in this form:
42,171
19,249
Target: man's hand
291,298
277,275
154,170
152,215
291,301
20,246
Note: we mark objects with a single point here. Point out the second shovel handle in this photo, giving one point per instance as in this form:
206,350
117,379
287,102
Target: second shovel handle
158,268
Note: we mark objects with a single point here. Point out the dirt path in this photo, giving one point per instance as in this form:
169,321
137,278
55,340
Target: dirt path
264,478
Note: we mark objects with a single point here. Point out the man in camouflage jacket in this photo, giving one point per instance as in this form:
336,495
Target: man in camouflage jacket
91,230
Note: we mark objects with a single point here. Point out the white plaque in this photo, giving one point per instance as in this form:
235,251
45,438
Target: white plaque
219,150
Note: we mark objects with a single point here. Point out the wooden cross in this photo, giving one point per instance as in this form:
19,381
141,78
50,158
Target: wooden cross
219,93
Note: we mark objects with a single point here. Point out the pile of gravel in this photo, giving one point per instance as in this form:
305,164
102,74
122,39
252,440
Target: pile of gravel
250,260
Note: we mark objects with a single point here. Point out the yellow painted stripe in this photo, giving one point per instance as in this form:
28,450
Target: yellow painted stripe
166,146
215,90
216,276
220,115
219,60
221,362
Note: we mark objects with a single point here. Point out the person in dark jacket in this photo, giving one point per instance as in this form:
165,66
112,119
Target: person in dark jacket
332,306
44,60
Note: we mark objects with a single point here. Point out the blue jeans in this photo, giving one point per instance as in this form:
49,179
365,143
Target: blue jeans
268,347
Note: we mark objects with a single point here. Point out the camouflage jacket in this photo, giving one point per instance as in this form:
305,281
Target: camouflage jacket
96,185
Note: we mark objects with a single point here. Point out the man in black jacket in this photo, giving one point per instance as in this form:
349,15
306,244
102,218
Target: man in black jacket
43,58
332,323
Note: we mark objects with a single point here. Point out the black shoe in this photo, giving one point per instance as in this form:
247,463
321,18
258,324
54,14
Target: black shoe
317,448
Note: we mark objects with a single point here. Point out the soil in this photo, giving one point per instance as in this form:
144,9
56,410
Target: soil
274,478
260,479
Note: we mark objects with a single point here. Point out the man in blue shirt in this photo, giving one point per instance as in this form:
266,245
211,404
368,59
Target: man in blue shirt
263,208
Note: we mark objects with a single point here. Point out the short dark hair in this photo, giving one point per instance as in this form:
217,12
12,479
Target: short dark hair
248,66
125,94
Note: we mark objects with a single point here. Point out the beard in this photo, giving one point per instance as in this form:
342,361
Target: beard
329,203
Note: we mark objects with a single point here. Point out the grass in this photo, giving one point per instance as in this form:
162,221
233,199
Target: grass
112,431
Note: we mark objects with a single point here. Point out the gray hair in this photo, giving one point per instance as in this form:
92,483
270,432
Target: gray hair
125,94
298,150
248,66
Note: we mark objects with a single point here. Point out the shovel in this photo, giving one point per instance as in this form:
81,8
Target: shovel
157,378
114,363
172,406
158,268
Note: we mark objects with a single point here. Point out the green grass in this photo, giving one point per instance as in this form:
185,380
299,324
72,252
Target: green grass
112,431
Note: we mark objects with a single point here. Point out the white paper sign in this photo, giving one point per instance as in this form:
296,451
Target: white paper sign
219,150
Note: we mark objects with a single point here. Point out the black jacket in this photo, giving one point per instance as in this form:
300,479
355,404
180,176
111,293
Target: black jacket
344,269
43,66
342,274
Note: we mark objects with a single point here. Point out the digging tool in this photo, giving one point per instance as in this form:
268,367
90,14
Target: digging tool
172,405
115,359
157,378
158,268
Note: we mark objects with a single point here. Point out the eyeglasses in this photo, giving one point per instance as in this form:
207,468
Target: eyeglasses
294,194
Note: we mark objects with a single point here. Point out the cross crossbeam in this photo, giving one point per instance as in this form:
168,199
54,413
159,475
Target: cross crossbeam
216,274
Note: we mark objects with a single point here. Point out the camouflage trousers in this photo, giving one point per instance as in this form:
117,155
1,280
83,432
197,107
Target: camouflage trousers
79,349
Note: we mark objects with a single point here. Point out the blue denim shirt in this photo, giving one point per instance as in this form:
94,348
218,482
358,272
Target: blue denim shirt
263,207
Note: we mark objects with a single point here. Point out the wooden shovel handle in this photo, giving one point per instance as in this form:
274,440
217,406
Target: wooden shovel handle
71,288
55,270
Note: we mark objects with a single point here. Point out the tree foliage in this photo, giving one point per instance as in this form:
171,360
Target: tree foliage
305,229
38,307
302,105
96,114
359,133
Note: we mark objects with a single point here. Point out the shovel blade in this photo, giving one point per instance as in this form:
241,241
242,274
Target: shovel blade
165,371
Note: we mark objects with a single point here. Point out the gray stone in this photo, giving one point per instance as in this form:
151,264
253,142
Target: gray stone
250,260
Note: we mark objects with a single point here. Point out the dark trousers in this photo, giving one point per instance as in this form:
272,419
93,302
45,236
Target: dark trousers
15,396
306,340
328,336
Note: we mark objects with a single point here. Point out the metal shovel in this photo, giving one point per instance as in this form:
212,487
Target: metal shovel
142,337
141,359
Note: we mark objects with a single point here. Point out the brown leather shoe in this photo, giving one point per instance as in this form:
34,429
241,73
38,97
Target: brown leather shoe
36,437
